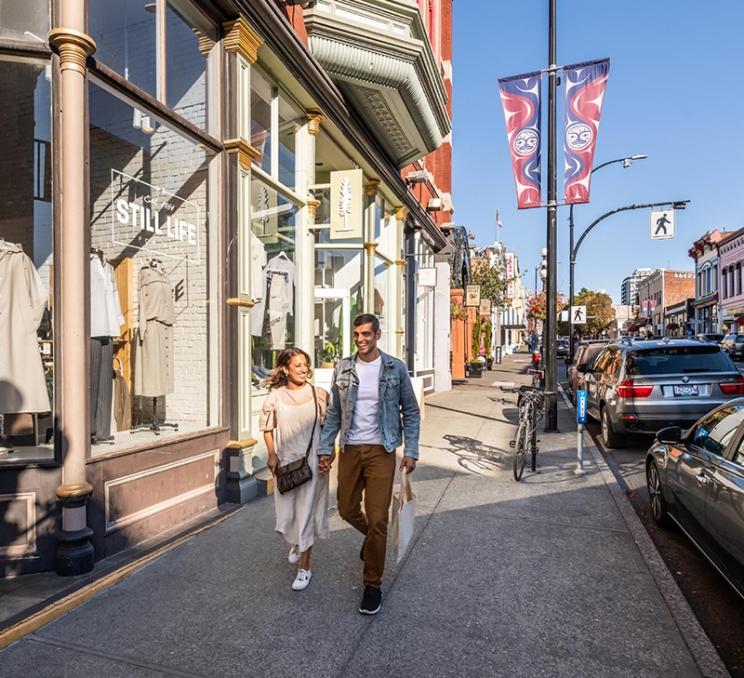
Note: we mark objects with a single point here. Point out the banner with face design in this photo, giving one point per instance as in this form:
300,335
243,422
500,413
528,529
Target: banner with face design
520,97
584,91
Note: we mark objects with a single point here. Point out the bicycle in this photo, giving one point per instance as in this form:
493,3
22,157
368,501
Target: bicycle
530,403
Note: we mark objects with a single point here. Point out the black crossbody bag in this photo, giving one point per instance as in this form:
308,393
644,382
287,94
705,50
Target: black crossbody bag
297,472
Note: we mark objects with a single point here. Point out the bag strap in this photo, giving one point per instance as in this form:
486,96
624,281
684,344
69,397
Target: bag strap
315,422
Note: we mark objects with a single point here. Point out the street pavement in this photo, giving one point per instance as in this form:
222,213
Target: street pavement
538,578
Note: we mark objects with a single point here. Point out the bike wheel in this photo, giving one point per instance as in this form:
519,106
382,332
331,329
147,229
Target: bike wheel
521,443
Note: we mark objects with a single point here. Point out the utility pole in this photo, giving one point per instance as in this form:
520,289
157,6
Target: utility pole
549,347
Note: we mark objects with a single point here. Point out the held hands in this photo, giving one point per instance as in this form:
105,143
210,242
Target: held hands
408,464
273,463
325,462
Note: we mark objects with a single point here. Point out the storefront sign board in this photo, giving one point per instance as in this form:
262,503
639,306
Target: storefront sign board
472,295
485,307
427,277
347,204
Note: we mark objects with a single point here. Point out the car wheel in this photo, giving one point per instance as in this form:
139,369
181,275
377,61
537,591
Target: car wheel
610,439
659,511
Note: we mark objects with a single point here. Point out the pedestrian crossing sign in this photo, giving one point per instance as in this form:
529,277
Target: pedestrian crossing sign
662,224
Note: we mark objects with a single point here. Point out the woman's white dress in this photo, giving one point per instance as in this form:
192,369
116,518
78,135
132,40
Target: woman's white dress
302,513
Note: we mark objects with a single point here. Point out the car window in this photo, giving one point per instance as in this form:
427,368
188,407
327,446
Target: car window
679,359
603,360
590,355
717,429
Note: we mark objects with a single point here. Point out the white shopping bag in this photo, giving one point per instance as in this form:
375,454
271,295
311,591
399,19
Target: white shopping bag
404,514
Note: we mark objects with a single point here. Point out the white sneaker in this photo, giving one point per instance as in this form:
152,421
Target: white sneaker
294,555
301,580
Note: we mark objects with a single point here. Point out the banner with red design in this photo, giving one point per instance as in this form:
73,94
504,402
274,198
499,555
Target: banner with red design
520,97
585,86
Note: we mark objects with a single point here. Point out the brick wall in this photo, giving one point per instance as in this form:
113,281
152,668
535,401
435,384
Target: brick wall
678,286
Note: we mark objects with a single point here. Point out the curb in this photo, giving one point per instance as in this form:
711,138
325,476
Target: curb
75,599
701,647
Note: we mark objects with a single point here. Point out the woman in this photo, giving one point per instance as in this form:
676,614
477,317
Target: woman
287,420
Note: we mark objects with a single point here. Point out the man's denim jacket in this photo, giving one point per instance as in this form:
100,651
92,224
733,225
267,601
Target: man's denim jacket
397,400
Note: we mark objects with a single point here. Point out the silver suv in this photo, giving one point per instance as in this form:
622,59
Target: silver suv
644,386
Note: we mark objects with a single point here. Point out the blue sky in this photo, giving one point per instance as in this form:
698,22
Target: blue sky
674,93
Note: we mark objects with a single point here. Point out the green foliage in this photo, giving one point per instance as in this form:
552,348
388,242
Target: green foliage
487,336
599,311
457,312
477,335
491,281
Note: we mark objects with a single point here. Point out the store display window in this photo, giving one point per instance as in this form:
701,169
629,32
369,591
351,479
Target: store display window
26,270
382,303
27,21
273,276
151,277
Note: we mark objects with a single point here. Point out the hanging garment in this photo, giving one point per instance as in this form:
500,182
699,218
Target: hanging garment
106,318
101,387
22,303
122,409
278,309
279,306
257,263
153,373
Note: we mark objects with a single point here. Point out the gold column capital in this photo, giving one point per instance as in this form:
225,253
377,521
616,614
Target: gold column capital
241,444
205,43
314,118
240,37
400,262
73,47
312,207
400,213
240,303
245,152
371,187
73,490
371,247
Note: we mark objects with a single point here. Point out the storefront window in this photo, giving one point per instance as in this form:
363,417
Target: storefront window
124,32
288,126
338,300
27,20
425,328
26,336
273,277
261,96
381,302
151,278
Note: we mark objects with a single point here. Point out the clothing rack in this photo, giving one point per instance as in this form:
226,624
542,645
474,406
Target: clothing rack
155,426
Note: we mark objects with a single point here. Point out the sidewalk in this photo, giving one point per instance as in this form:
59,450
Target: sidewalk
538,578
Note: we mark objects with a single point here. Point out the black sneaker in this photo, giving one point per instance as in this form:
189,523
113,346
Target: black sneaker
371,600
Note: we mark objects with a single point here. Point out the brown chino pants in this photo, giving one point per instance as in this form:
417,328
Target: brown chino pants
367,470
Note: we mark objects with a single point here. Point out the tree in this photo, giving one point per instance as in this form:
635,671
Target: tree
599,311
490,279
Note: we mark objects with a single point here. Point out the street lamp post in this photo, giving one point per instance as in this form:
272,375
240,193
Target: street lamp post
676,204
626,163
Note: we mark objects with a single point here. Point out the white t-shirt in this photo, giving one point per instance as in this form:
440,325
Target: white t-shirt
365,426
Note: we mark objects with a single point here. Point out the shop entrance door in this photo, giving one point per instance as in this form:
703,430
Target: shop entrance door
332,329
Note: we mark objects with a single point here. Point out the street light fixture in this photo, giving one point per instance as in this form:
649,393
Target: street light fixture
626,161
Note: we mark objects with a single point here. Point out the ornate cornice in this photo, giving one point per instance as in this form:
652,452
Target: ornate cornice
74,490
245,152
205,43
371,187
73,48
314,118
240,303
240,37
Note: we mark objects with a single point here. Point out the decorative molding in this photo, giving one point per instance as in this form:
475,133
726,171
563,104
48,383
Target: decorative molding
400,262
74,490
240,37
29,546
372,186
314,118
205,43
400,331
73,48
401,213
241,444
371,247
240,303
245,152
312,207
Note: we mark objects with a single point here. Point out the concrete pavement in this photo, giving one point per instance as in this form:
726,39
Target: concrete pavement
538,578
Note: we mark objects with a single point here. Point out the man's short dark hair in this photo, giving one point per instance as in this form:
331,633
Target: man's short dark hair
364,318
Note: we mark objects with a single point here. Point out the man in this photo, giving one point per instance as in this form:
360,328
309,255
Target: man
372,393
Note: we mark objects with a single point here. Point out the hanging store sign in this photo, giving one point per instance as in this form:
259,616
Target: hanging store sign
485,307
347,204
427,277
584,94
149,218
510,275
473,295
520,98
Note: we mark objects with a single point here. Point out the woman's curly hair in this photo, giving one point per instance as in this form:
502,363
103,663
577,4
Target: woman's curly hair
279,376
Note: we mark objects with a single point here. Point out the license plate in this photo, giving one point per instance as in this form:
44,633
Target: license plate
685,390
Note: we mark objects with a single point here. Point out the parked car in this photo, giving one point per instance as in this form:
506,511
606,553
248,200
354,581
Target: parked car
733,344
696,479
562,348
713,337
586,353
644,386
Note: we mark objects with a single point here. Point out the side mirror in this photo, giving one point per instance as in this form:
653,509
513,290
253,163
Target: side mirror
671,435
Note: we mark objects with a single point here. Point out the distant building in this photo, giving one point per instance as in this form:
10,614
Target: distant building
731,262
659,290
704,252
624,317
629,287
